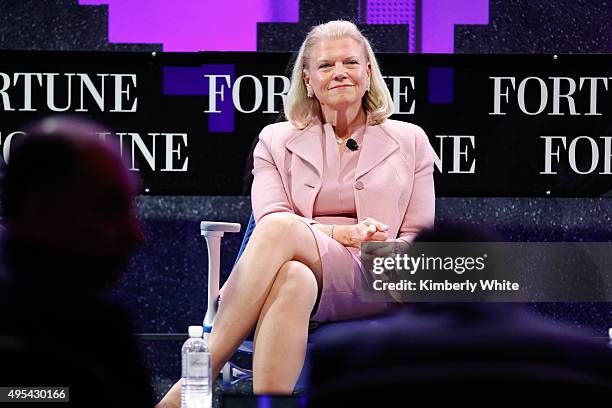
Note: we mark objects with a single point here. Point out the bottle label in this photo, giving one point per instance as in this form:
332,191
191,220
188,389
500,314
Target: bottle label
198,364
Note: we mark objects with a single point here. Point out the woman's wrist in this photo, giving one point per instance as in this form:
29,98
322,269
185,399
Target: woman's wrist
340,233
331,231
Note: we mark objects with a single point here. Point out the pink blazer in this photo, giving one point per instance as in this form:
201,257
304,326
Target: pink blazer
393,180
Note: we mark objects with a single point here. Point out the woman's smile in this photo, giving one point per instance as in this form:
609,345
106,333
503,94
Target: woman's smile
342,86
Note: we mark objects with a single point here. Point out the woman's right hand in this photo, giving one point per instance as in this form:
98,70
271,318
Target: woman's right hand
368,229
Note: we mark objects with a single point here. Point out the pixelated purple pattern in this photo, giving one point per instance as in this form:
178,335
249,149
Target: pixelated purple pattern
194,25
192,81
441,85
412,18
438,19
387,12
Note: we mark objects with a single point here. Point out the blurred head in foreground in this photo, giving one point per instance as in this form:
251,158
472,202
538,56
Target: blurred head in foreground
68,206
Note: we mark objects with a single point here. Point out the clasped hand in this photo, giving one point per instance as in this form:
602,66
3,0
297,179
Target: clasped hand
368,229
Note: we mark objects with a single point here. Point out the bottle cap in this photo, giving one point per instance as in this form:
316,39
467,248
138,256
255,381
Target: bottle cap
195,331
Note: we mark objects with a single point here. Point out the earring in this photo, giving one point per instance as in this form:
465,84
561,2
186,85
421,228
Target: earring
368,87
309,92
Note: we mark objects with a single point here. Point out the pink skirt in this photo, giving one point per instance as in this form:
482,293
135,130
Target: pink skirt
342,274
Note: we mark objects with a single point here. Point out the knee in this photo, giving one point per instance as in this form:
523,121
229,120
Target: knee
296,283
279,225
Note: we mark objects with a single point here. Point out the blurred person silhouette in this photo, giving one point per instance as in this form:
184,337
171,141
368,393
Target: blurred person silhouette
477,353
70,231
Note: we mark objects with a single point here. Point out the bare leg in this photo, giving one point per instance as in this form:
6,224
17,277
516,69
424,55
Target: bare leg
282,330
172,399
277,239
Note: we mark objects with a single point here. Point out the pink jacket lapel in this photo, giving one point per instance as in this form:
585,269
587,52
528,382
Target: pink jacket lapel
377,146
307,145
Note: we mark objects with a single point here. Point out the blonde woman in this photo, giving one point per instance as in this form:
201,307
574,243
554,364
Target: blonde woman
336,174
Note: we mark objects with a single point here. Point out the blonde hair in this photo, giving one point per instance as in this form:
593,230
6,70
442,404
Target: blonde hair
300,110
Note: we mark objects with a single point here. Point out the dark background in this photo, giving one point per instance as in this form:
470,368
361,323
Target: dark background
165,287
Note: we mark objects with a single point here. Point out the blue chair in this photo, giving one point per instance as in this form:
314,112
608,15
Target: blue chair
239,367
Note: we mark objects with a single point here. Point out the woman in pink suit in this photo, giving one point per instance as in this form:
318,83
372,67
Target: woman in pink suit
338,173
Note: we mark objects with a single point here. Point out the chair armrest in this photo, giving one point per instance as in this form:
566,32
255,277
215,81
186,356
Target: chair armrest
212,232
214,226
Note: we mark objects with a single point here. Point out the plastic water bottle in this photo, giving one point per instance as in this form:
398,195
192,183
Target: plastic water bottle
196,391
610,337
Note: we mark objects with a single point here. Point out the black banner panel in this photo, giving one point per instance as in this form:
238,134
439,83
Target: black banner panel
500,125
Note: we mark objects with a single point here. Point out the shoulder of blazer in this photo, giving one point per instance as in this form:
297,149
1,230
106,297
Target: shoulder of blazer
278,134
411,137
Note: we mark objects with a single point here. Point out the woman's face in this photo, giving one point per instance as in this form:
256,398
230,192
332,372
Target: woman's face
338,72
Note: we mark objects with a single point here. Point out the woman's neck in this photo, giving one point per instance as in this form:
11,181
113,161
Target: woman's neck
344,121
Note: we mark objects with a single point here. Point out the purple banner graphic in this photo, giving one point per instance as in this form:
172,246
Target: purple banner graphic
431,22
388,11
394,12
194,25
440,18
197,25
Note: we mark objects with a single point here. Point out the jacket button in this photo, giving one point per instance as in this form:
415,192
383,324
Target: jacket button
359,185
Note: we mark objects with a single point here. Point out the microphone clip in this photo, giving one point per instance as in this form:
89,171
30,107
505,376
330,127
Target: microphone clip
352,145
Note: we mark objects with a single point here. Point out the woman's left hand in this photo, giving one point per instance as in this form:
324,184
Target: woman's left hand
368,229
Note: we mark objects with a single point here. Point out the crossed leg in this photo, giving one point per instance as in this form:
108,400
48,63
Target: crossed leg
273,287
282,330
255,290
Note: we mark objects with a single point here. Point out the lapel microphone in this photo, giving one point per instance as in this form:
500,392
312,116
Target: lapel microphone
352,145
